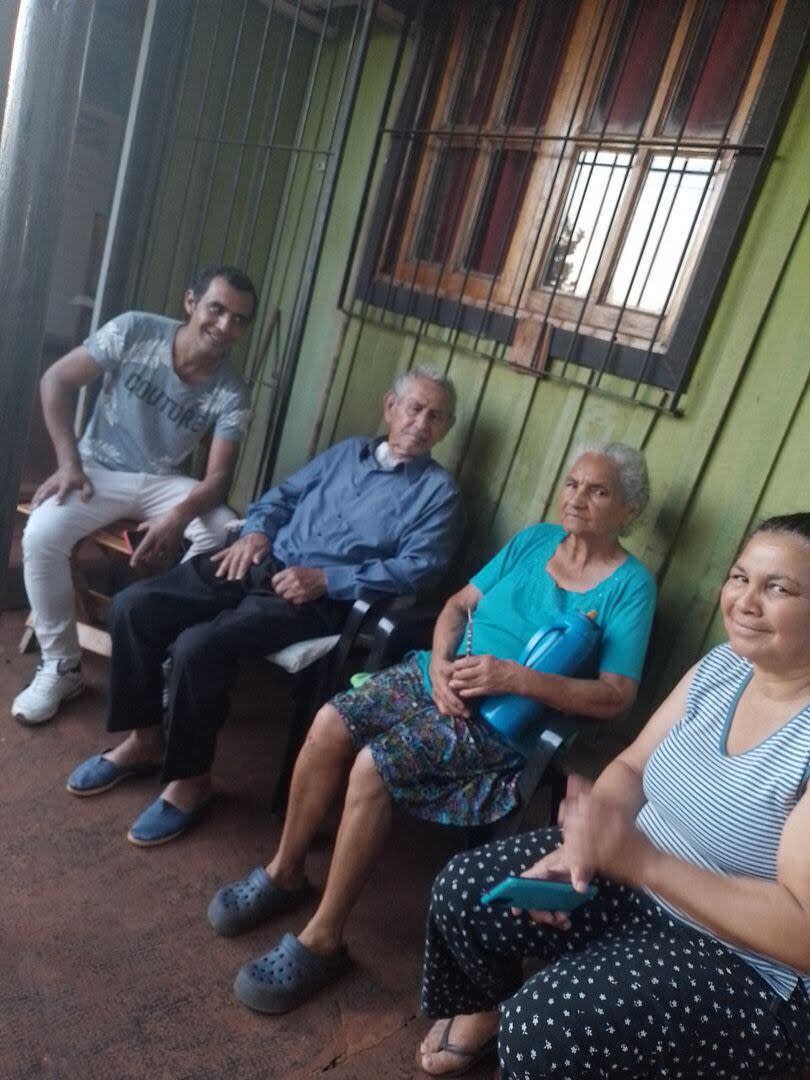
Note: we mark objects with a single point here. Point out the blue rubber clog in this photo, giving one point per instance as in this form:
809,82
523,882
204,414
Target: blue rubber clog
287,976
244,905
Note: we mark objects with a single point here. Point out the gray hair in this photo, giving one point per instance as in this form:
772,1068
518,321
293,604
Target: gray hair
631,467
432,374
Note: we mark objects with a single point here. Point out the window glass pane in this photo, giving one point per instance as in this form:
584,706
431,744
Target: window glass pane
725,42
540,63
499,211
593,196
642,42
443,211
410,148
665,221
487,34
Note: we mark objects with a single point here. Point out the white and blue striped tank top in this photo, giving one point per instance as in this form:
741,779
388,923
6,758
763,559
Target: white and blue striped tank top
723,812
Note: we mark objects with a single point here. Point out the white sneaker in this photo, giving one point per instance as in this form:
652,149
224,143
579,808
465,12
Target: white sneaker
54,682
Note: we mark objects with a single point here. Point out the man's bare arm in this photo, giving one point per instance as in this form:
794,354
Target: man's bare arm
162,535
57,390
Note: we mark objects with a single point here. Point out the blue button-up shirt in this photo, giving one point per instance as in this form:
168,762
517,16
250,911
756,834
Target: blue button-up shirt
391,531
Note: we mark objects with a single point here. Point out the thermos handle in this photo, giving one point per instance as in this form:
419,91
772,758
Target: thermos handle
539,636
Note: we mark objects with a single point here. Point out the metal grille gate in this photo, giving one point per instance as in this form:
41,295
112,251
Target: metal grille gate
242,122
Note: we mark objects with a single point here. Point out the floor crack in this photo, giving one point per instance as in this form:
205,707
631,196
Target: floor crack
341,1059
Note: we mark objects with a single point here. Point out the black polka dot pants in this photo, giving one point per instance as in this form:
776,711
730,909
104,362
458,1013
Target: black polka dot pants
627,991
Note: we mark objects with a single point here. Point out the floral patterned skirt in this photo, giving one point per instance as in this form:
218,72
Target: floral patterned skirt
440,768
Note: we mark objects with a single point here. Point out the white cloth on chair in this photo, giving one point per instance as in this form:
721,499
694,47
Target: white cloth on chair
302,654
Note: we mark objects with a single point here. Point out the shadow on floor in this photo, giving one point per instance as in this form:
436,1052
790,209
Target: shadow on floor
110,967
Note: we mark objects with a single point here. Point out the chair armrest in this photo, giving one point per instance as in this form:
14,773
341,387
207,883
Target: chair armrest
368,607
558,732
405,625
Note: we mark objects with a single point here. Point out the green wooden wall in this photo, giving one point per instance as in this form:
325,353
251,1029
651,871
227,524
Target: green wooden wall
740,451
219,191
222,195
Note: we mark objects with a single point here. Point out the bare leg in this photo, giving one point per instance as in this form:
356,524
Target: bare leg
316,779
146,745
141,746
469,1033
189,793
363,829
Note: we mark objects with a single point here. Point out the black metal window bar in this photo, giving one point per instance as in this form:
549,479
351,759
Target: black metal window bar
562,184
261,99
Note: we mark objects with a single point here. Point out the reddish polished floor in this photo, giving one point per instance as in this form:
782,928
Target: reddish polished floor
110,969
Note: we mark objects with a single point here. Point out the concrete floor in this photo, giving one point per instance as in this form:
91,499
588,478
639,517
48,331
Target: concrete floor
110,968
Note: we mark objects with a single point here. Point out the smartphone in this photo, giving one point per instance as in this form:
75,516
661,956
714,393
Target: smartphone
529,894
132,537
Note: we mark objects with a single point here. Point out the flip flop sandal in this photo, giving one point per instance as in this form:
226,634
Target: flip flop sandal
287,976
245,904
469,1058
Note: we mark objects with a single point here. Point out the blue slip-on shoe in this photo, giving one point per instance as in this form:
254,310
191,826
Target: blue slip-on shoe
245,904
162,821
98,774
287,976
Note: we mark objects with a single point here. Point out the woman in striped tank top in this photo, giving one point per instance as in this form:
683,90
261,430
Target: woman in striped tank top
693,959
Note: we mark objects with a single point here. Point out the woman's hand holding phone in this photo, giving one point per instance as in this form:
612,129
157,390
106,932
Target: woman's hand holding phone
535,894
551,868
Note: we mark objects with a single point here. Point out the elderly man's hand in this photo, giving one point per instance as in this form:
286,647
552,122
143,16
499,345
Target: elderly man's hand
299,584
236,560
447,702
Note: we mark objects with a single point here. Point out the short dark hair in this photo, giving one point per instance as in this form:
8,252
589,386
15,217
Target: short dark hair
796,524
235,277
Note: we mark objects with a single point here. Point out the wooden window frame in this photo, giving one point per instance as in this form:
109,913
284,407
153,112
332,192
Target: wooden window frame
497,308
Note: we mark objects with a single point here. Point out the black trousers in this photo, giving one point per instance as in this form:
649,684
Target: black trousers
207,625
627,991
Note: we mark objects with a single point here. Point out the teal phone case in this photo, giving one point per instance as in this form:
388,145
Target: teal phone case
529,894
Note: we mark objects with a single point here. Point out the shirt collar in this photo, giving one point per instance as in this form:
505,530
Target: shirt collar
413,467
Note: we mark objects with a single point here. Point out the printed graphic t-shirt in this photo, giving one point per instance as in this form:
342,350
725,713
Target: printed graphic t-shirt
146,419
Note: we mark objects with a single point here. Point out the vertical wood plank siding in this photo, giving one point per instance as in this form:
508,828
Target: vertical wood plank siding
740,451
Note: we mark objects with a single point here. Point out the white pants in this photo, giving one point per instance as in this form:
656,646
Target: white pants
53,531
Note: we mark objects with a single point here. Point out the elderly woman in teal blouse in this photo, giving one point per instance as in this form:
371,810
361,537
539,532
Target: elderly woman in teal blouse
413,735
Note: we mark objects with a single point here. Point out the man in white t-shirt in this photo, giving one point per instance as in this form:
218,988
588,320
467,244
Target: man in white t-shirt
165,385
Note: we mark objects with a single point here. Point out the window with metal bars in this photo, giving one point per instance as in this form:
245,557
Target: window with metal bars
568,178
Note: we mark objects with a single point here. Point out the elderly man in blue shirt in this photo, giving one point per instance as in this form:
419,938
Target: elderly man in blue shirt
367,514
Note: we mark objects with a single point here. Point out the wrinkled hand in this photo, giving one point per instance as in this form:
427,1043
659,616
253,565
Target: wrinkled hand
447,701
601,837
475,676
160,542
299,584
236,560
552,867
67,478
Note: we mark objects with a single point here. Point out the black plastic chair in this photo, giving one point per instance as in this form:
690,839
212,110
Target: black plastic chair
319,680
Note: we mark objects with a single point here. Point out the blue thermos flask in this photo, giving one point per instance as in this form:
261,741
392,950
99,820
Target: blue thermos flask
562,647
